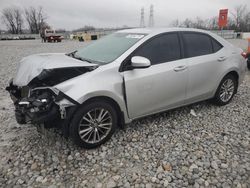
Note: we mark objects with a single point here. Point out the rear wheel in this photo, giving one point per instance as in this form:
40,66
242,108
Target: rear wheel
226,90
93,124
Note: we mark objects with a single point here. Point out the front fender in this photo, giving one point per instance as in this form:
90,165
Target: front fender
98,83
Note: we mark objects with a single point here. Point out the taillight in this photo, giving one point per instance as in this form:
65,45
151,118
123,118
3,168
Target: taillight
244,54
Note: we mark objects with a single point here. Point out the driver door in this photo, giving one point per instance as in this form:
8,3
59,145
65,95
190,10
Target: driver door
160,86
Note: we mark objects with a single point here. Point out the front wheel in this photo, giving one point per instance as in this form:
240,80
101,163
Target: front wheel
226,90
93,124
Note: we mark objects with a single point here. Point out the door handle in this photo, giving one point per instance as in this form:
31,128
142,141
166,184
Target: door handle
223,58
180,68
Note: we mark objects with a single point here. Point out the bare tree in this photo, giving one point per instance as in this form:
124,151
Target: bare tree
175,23
239,21
85,28
246,22
199,23
187,23
36,19
238,16
213,23
13,19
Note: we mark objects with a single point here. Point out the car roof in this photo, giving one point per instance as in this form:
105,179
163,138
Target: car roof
150,32
157,30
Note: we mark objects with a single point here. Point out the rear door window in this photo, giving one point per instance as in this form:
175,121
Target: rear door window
197,44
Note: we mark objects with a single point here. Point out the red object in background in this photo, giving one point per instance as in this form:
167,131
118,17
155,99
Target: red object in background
223,18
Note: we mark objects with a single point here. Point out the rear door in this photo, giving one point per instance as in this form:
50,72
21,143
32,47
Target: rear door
161,86
205,58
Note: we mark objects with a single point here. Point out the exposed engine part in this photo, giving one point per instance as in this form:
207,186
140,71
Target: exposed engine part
62,112
51,77
24,103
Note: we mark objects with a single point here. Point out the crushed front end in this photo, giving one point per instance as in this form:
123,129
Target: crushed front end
37,105
33,91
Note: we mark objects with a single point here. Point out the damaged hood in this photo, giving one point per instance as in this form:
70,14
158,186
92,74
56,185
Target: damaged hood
32,66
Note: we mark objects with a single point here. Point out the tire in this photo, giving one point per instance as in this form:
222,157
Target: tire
84,131
248,64
224,96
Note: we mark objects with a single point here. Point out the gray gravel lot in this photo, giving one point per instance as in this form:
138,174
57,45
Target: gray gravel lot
171,149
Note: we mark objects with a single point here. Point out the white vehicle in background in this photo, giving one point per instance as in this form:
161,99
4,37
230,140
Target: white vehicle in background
125,76
50,35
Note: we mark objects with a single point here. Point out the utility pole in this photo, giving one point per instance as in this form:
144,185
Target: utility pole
151,17
142,23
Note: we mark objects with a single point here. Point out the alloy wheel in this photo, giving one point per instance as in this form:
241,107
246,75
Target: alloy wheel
95,125
227,90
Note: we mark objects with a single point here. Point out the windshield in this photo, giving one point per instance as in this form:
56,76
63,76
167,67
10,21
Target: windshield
108,48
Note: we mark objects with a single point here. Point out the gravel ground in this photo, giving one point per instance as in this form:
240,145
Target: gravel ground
200,145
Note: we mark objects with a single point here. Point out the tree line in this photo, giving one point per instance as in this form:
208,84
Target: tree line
238,20
14,19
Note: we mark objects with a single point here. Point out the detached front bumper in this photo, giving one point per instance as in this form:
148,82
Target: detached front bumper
38,105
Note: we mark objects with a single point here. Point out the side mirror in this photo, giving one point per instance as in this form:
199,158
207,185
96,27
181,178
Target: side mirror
140,62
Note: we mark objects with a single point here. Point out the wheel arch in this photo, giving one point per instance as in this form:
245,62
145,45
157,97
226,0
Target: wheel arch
233,72
216,98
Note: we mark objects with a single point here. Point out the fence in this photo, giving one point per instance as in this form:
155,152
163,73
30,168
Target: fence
226,34
245,35
26,36
18,36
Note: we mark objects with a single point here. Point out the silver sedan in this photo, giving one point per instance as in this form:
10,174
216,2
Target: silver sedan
124,76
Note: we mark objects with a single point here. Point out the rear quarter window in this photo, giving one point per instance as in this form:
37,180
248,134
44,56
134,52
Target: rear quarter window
216,45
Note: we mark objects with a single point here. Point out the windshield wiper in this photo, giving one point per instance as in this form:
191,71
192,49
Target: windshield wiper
82,59
72,54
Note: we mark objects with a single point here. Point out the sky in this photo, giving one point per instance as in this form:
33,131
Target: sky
73,14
